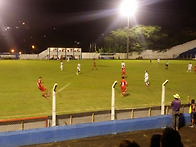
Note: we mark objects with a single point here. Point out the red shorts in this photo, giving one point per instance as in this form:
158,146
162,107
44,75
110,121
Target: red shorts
123,88
123,73
42,88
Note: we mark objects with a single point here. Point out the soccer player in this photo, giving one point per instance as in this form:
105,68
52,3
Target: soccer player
122,64
123,71
195,68
189,67
61,66
67,59
42,88
158,60
166,65
94,65
78,69
123,85
146,77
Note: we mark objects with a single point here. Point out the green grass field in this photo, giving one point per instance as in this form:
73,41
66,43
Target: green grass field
91,90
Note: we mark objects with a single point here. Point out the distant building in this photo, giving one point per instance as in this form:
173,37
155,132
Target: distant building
71,53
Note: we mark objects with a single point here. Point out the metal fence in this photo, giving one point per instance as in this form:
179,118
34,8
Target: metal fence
79,118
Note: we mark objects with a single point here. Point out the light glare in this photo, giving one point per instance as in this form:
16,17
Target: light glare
128,7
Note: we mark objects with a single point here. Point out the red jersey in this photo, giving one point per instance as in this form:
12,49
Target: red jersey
40,86
39,82
123,71
123,83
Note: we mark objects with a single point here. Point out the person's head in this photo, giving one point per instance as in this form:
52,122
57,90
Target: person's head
192,101
176,96
155,140
171,138
128,143
123,77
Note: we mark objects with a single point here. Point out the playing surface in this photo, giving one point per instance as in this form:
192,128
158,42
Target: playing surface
91,90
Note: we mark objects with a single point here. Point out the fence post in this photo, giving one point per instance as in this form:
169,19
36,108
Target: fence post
167,110
163,98
70,119
93,117
132,113
54,105
182,109
22,124
149,112
113,101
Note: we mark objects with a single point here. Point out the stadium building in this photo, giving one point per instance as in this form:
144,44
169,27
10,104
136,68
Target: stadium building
57,53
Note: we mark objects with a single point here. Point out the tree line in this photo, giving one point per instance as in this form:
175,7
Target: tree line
142,38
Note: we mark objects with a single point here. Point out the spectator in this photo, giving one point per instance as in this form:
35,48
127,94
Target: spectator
171,138
155,140
192,112
176,103
128,143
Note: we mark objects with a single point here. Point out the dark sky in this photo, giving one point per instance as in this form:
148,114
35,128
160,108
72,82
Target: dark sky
72,23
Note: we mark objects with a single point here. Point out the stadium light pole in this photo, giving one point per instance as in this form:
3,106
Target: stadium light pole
163,98
128,9
113,101
54,105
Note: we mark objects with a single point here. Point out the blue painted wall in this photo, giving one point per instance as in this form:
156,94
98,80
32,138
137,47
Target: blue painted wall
61,133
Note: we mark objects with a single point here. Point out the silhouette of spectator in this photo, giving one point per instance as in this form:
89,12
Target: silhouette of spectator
171,138
128,143
155,140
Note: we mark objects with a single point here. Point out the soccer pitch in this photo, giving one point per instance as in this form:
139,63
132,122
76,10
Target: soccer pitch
91,90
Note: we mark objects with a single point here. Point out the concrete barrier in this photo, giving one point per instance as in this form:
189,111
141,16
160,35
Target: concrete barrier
61,133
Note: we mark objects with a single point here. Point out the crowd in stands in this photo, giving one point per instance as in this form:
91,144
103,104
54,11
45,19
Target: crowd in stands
169,138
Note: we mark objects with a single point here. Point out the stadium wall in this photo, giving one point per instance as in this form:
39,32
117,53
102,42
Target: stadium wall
29,56
62,133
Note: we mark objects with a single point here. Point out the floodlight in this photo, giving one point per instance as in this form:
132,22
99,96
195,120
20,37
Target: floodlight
128,7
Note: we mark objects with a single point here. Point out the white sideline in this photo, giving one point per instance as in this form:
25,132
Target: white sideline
63,88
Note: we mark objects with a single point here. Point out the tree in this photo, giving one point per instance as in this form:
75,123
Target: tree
141,38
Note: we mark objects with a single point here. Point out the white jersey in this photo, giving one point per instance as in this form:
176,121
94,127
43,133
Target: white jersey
78,67
146,77
189,66
61,66
122,64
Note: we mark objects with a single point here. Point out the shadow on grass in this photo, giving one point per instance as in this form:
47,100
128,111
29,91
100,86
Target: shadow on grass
127,94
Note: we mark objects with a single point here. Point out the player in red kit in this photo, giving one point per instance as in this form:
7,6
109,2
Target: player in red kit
195,68
42,88
123,85
94,65
123,71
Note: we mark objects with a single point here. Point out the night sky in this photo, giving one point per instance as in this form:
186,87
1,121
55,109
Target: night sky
77,23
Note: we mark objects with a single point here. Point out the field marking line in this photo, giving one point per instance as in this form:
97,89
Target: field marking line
63,87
